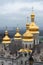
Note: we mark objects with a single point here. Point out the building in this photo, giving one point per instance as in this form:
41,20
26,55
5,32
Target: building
30,35
28,38
34,29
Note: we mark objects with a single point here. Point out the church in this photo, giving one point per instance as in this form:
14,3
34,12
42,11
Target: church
30,35
29,38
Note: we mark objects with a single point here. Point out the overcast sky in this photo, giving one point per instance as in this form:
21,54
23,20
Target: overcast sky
13,13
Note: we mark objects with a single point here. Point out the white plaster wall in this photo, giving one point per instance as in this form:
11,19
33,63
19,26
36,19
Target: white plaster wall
28,44
7,62
36,38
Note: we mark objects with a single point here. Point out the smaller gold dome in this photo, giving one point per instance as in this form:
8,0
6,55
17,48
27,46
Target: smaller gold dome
27,36
17,35
33,28
25,50
27,33
6,39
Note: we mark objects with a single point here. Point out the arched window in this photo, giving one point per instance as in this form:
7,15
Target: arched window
30,46
25,54
26,46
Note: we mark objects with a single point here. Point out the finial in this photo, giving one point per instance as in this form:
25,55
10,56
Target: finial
17,29
32,12
6,28
6,32
27,19
27,24
32,9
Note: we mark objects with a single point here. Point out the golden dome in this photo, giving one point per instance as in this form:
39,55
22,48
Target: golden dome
25,50
6,39
33,27
17,35
27,36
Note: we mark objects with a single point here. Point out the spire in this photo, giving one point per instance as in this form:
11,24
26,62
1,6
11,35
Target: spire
32,9
32,15
33,27
6,32
17,29
27,19
27,36
17,36
27,24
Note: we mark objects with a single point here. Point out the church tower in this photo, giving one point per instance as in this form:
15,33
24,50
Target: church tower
34,29
28,38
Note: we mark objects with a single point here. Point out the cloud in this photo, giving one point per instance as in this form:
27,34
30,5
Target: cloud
17,7
11,1
17,11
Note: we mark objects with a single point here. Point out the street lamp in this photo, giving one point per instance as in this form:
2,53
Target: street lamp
31,61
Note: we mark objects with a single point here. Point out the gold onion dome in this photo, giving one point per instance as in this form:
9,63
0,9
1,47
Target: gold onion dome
6,39
27,36
17,35
33,27
25,50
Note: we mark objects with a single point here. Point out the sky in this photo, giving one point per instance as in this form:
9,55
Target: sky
13,13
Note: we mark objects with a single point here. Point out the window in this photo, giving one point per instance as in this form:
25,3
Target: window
25,54
30,46
26,46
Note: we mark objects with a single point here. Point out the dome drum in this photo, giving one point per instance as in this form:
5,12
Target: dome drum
6,40
34,29
28,40
17,36
32,16
27,37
